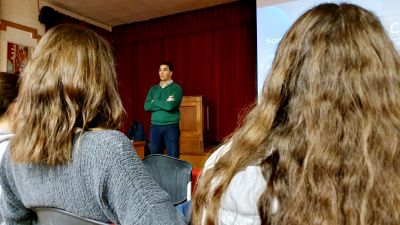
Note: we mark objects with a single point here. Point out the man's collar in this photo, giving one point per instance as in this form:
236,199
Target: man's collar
166,84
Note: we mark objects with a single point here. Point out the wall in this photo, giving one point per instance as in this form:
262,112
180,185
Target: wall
23,16
21,12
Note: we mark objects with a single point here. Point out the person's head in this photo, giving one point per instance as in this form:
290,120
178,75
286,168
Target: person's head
165,71
69,83
8,92
326,130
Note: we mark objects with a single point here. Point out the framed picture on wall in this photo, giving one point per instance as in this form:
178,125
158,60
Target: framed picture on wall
17,57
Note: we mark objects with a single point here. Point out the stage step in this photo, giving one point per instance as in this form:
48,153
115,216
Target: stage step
197,160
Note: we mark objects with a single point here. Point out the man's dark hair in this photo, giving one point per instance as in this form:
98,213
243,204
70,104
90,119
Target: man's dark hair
169,64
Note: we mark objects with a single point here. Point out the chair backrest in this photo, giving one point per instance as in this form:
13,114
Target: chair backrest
172,174
52,216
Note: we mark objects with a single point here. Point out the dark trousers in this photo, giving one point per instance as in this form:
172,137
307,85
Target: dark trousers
165,136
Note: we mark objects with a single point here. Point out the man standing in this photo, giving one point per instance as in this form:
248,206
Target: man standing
163,101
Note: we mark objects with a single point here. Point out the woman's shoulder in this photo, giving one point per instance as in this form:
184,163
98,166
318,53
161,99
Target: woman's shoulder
251,171
104,140
105,135
246,179
105,147
239,203
101,131
215,156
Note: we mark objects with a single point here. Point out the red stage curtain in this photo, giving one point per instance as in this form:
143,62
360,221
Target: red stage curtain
214,54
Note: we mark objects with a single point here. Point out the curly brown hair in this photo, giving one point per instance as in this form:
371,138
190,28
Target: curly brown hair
69,83
330,114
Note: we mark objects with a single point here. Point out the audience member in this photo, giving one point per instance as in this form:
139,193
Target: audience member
163,101
322,146
66,153
8,94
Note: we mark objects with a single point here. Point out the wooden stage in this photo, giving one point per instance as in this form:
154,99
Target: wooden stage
197,160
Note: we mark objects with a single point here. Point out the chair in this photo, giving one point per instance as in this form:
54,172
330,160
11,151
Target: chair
53,216
172,174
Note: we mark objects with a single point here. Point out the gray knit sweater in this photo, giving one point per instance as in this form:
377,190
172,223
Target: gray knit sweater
104,181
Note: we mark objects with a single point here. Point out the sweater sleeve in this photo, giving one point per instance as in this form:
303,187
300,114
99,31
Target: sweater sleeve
12,209
149,105
176,94
129,195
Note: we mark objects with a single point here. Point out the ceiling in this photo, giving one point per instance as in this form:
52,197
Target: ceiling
117,12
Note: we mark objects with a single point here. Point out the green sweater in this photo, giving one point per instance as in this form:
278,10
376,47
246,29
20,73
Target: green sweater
164,111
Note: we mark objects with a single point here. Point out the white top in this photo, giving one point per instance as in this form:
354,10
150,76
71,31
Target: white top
5,139
239,203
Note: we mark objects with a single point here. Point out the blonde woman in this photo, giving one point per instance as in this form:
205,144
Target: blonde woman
323,144
66,152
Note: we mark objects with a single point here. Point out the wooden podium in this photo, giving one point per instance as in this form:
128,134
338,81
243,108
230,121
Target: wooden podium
191,125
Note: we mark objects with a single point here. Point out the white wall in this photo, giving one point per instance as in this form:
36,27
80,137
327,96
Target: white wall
23,12
26,13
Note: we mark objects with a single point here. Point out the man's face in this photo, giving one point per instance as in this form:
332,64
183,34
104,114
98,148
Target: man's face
165,73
